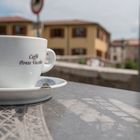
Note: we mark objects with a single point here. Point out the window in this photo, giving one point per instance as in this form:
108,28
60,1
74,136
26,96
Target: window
79,51
3,30
98,53
79,32
115,58
19,30
59,51
57,32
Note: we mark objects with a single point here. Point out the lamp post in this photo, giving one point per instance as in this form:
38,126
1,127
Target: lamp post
36,6
38,26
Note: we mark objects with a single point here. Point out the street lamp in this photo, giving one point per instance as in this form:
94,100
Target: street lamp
36,7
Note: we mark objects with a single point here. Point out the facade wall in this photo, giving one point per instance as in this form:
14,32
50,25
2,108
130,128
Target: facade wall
31,30
132,53
101,46
90,42
121,54
117,55
9,27
56,42
87,43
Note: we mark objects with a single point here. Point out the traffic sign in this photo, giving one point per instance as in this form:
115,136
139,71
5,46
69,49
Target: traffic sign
36,6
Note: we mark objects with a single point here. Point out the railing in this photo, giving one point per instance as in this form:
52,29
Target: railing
84,59
104,76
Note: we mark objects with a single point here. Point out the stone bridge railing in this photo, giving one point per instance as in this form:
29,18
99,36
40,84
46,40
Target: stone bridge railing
84,59
109,77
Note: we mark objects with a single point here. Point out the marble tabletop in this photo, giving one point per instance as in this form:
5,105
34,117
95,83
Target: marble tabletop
76,112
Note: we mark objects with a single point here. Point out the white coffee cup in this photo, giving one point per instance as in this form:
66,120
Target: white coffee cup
22,60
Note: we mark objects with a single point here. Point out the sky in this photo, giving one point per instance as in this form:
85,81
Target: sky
119,17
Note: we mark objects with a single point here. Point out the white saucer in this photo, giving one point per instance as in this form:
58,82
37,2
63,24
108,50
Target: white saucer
17,96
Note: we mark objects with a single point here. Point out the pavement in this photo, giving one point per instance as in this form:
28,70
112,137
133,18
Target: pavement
76,112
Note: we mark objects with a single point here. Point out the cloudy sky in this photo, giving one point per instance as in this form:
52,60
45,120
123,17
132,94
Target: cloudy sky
119,17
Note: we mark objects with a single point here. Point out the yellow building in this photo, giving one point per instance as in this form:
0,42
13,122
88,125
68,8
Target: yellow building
16,26
77,37
71,37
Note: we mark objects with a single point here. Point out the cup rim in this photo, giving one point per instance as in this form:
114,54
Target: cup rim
22,37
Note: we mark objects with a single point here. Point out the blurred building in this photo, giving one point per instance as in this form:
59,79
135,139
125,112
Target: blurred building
132,49
117,51
123,50
70,37
16,26
77,37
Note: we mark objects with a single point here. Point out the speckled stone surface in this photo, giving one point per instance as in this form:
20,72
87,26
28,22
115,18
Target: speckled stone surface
76,112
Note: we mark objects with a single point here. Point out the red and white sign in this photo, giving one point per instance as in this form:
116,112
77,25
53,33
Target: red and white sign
36,6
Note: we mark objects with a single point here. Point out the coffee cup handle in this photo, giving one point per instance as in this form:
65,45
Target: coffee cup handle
51,58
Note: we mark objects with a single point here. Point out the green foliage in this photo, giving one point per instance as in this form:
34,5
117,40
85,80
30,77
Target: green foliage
131,65
82,61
